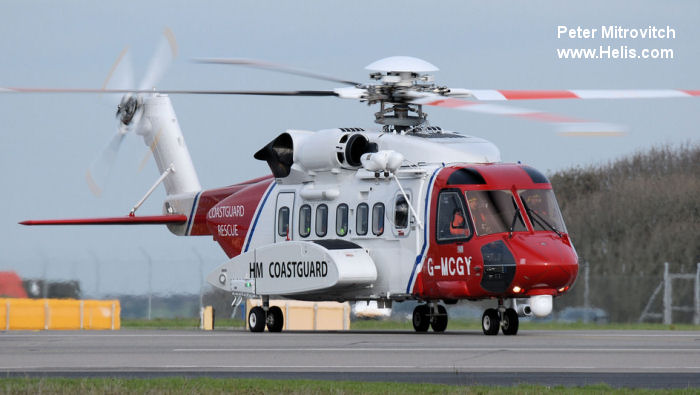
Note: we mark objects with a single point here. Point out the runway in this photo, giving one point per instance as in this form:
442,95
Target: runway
652,359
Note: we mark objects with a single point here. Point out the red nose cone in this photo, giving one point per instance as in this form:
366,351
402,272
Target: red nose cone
546,263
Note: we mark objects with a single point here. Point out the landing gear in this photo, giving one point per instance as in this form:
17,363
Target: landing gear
505,319
421,318
256,319
439,320
490,322
275,319
509,323
429,315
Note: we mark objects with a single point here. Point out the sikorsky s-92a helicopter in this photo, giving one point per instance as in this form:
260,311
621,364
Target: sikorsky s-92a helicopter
402,211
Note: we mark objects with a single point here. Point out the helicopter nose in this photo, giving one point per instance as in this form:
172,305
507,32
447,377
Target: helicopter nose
545,265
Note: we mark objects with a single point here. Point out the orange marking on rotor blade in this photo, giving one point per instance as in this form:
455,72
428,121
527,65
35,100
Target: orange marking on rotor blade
92,184
547,117
525,95
691,93
171,40
114,67
450,103
591,134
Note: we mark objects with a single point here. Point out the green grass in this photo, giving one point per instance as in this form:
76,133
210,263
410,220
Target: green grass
181,385
193,323
178,323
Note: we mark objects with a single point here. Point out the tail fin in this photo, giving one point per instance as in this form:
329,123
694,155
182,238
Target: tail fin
161,132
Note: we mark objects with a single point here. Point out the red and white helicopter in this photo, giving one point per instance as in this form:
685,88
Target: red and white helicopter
403,211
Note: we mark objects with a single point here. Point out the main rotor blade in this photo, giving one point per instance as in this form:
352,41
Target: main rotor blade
259,64
565,125
501,95
168,91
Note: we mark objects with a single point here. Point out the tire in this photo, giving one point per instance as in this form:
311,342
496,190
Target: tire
510,322
490,323
275,319
421,320
256,319
439,322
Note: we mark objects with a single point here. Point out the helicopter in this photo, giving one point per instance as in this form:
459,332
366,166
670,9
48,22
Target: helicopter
400,211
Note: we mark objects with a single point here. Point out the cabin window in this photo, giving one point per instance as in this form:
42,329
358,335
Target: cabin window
401,213
321,220
362,219
305,220
495,212
378,219
283,221
451,217
341,220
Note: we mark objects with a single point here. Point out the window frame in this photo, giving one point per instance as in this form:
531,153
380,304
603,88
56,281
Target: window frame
303,208
375,206
347,219
316,223
279,221
357,219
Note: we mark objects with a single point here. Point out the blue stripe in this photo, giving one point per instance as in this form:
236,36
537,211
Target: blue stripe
194,205
257,216
419,258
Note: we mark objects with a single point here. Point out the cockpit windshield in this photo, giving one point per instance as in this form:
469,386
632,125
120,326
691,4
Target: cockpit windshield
494,212
541,206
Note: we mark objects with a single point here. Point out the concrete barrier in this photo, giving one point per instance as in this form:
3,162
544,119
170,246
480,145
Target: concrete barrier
306,316
59,314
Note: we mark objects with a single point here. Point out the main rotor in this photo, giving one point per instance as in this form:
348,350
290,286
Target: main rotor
401,78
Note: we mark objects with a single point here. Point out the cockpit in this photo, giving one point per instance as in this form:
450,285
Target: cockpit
469,206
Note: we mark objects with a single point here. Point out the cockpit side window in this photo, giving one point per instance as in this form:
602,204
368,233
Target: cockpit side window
451,221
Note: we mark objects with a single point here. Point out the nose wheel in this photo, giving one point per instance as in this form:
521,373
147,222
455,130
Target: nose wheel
502,319
430,315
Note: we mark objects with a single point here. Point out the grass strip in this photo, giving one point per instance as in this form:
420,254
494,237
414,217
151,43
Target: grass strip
181,385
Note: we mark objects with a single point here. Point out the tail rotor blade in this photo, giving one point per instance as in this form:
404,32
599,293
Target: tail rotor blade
100,169
164,55
120,76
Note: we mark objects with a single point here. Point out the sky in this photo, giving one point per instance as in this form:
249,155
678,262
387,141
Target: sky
47,141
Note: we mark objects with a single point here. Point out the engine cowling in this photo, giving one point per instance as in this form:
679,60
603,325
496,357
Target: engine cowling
321,151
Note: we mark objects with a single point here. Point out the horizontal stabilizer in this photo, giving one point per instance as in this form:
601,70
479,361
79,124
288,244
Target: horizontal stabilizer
126,220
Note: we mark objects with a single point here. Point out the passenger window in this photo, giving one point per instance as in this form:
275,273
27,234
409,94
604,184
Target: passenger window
451,217
362,219
283,221
305,220
378,219
341,220
401,213
321,220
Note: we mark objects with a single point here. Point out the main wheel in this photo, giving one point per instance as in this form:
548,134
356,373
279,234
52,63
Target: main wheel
275,319
439,321
256,319
510,322
490,323
421,319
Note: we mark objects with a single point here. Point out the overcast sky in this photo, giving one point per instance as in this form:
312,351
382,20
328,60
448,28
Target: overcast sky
48,141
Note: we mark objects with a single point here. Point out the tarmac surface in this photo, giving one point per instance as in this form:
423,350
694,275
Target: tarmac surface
649,359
